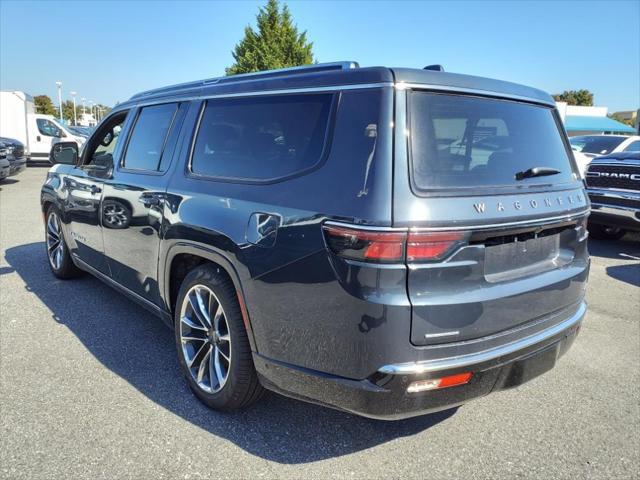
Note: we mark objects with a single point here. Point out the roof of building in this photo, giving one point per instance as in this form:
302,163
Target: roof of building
341,74
584,123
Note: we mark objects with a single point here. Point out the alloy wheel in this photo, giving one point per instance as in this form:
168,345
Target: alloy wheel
55,242
205,339
115,215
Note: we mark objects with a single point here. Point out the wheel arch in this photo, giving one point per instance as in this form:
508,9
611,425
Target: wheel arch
197,255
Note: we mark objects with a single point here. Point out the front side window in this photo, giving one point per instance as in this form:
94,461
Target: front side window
48,128
460,141
103,143
261,138
149,137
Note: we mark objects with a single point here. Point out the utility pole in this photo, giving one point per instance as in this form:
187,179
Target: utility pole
59,84
75,119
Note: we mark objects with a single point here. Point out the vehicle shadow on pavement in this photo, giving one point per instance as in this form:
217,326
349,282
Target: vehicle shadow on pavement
8,181
139,348
628,248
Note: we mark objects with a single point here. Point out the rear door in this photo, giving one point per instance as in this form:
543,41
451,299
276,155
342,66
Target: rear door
133,199
497,215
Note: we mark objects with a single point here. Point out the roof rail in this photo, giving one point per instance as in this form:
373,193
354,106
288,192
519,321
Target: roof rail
317,67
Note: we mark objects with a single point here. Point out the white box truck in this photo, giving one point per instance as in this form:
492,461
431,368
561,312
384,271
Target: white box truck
19,120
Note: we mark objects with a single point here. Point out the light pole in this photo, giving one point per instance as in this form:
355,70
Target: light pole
75,120
59,84
83,100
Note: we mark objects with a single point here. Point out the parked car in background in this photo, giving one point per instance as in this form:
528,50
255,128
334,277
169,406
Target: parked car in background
388,242
5,167
13,152
613,185
596,145
37,132
582,161
84,132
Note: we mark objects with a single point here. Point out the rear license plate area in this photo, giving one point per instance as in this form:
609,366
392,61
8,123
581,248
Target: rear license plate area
519,258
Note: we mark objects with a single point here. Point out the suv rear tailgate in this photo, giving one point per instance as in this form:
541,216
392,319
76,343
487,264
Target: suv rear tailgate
504,277
525,255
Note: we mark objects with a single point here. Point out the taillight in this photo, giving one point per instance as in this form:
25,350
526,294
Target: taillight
391,247
385,247
432,245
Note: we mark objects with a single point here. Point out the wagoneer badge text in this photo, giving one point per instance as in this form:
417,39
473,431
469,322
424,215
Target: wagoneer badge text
548,202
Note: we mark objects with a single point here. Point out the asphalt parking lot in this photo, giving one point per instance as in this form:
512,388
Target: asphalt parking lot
90,388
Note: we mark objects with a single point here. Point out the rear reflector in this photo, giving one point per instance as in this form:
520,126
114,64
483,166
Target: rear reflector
437,383
391,246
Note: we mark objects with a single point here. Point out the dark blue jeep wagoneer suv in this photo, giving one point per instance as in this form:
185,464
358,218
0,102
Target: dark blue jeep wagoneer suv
385,241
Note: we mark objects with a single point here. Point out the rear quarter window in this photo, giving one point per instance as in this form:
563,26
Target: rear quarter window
459,141
261,138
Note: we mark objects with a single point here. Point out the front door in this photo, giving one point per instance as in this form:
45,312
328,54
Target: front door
84,188
133,200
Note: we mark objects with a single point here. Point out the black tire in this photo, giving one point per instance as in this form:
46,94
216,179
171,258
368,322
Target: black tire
241,387
64,268
604,232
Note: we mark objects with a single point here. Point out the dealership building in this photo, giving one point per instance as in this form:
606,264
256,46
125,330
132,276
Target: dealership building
590,120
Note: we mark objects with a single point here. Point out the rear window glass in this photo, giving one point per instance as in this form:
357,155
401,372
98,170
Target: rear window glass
261,138
463,141
596,144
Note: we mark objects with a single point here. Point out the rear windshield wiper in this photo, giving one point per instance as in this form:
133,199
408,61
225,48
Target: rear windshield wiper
536,172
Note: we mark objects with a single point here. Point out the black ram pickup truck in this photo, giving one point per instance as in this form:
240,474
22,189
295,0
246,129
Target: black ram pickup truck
613,185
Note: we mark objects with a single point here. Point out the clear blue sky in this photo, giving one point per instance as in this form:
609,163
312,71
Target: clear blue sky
107,51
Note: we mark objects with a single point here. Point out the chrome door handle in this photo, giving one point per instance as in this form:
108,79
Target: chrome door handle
150,200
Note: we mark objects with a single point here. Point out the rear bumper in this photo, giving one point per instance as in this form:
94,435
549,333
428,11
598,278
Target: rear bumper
384,396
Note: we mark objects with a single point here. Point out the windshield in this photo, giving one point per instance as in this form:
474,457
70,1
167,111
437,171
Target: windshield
596,144
464,141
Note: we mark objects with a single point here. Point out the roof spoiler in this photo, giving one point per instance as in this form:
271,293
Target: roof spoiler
435,67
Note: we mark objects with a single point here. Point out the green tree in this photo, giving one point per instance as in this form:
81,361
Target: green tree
67,111
575,97
276,44
618,118
43,104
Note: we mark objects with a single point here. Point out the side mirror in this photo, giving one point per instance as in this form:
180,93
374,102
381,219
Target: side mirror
65,153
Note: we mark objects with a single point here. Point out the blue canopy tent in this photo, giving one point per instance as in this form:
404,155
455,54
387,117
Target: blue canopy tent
580,123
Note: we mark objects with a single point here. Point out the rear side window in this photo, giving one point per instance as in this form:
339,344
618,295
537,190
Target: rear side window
459,141
149,137
261,138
